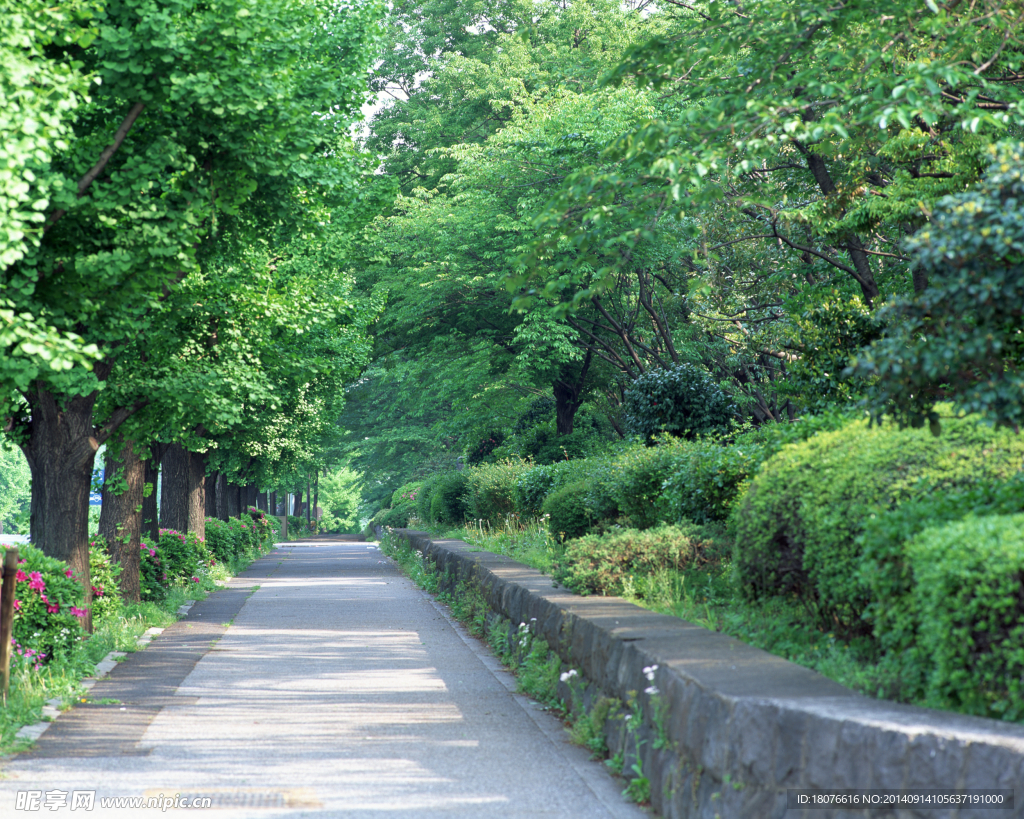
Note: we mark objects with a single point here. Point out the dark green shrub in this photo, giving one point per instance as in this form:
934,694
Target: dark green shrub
568,514
223,540
181,555
681,400
537,482
598,564
449,502
885,569
424,497
635,483
969,596
797,525
398,517
47,607
104,578
492,488
153,579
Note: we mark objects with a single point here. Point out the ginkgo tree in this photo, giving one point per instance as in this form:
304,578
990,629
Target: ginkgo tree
192,111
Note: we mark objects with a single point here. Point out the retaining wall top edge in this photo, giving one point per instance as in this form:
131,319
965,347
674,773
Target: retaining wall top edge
730,669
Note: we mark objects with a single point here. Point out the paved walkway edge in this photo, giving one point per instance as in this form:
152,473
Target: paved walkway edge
732,728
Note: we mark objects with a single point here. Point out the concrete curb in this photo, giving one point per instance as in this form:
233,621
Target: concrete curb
736,727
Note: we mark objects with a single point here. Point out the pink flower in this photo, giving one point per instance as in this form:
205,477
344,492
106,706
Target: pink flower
152,552
77,612
52,608
195,579
17,605
36,582
20,576
68,573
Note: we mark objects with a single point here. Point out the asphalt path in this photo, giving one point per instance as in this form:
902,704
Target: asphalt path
321,682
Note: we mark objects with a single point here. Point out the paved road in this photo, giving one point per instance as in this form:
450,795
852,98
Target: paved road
336,688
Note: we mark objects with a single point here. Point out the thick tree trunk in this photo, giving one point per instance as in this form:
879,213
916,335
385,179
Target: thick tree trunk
234,500
174,488
250,496
316,494
222,497
61,450
309,511
150,520
197,494
121,515
569,397
297,503
261,501
210,491
273,503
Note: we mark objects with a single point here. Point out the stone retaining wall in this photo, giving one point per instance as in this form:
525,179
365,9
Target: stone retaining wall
742,726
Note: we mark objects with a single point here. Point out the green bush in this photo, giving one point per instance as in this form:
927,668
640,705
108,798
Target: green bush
536,482
222,540
181,555
796,527
492,489
968,581
104,577
681,400
406,492
424,497
153,580
568,514
598,564
634,483
47,607
398,517
885,569
449,501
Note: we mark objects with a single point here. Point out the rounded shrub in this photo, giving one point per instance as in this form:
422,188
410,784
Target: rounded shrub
969,596
48,602
398,517
598,564
568,514
406,492
104,577
221,540
682,400
424,497
797,526
449,502
182,555
492,489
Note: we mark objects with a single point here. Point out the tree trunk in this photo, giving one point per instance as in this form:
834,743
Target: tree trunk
234,501
273,503
316,494
121,514
250,496
174,489
150,520
61,449
210,491
197,494
261,501
308,504
222,497
569,397
297,503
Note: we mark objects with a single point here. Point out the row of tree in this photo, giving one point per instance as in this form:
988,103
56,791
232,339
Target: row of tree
589,190
180,194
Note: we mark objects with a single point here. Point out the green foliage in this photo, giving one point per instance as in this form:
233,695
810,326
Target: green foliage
960,339
967,593
104,577
224,541
599,564
406,492
681,400
397,517
46,607
534,484
567,511
153,581
492,489
181,555
424,497
449,501
797,525
339,496
886,570
15,482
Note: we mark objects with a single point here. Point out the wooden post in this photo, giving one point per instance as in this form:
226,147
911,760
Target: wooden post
7,615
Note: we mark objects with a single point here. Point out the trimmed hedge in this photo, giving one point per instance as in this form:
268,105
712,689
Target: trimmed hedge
599,564
568,514
449,502
796,529
492,489
969,598
535,483
681,400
